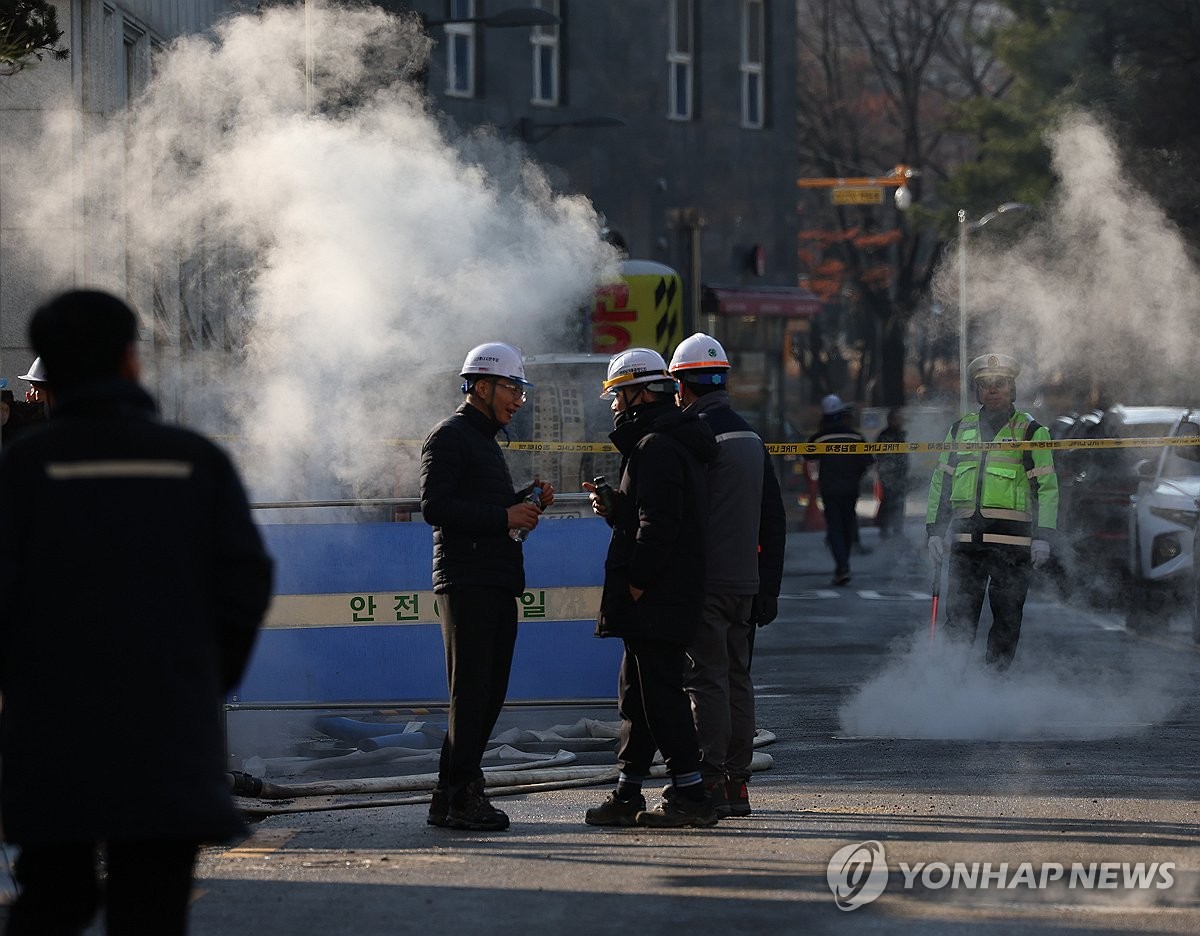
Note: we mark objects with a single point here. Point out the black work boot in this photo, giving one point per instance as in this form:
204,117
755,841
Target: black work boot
735,802
714,788
680,811
616,811
439,806
471,810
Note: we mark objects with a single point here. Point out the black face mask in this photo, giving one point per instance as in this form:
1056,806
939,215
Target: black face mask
627,413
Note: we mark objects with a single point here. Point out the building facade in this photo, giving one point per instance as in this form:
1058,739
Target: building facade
111,45
676,118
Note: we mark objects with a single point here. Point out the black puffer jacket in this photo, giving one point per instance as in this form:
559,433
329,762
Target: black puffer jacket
466,491
658,532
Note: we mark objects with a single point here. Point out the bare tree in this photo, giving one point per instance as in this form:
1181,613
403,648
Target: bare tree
879,81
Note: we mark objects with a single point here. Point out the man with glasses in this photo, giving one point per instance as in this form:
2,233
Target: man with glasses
998,509
478,571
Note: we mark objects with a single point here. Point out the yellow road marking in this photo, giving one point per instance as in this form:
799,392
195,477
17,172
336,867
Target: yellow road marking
261,843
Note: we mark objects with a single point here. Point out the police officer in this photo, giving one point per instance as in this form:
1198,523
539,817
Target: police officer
996,509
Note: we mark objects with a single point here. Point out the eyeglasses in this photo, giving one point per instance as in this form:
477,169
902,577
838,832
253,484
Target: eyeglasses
518,392
992,383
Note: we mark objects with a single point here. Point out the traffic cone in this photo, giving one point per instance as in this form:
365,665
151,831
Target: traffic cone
814,517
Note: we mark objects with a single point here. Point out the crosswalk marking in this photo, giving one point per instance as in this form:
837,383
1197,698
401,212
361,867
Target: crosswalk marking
868,594
900,595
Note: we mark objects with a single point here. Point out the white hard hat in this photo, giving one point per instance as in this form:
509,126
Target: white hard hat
632,367
495,359
699,352
993,365
37,372
833,404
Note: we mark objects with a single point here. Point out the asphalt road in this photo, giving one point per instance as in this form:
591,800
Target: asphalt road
1081,758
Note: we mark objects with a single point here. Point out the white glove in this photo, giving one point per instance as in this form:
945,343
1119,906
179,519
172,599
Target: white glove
937,549
1039,552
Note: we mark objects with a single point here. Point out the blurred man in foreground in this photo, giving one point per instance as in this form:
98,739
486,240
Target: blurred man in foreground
132,586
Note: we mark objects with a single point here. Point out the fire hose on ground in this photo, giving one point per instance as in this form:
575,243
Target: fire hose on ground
258,798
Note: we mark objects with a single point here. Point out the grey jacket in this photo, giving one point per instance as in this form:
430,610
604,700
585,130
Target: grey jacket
744,503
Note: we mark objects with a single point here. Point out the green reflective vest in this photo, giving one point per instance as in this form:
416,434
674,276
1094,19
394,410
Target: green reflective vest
1000,497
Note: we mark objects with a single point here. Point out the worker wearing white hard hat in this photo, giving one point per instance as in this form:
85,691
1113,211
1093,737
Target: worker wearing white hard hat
832,405
654,588
743,574
839,479
467,496
39,390
636,367
997,510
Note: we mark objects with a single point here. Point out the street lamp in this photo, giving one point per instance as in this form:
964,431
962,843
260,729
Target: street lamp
964,226
534,130
867,190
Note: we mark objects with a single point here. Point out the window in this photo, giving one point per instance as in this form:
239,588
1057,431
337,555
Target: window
545,42
460,50
679,60
752,64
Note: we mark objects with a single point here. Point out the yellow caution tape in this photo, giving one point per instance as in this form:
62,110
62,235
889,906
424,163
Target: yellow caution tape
906,448
872,448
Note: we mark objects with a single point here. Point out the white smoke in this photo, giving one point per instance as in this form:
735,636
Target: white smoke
942,689
360,247
1097,291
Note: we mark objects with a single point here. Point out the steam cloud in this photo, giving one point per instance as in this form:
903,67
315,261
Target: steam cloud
356,249
943,691
1098,291
1094,292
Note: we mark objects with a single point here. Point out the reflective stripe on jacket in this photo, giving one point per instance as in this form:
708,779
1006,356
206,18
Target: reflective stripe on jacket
1000,497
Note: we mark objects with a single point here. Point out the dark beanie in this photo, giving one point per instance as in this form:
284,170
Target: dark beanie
81,337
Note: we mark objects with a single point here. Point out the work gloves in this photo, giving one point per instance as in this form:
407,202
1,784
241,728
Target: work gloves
1039,551
763,609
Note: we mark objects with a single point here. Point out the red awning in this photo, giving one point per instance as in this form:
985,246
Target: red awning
774,301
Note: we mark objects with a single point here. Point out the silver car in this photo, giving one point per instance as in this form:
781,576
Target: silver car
1162,527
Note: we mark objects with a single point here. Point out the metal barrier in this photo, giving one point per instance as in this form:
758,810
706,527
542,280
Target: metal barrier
354,621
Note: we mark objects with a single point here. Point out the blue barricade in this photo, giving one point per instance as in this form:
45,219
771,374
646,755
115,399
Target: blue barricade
355,619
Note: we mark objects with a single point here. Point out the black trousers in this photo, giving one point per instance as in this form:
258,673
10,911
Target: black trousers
479,630
891,510
656,713
147,888
1003,573
841,526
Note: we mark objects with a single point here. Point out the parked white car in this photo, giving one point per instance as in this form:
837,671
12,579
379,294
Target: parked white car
1162,527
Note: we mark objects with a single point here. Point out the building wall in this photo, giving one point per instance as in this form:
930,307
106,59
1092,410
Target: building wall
655,177
110,46
698,194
